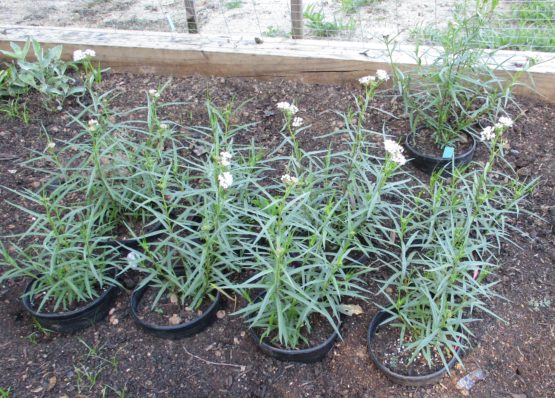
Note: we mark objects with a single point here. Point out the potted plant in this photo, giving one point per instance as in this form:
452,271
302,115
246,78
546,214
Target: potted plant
179,295
450,92
73,274
447,240
128,167
301,270
185,270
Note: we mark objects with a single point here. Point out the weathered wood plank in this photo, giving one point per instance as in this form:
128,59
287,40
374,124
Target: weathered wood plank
310,61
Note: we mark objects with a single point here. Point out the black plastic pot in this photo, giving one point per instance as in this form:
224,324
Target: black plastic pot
174,332
305,355
72,321
421,380
430,163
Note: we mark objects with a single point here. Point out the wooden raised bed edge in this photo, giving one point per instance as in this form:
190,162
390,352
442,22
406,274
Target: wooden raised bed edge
309,61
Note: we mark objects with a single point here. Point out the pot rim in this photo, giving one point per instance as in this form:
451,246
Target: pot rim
27,303
416,152
136,298
295,354
426,379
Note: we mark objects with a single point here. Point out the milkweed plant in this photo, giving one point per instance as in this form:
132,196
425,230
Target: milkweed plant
296,233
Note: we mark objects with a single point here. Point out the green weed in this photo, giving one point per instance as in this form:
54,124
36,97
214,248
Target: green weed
274,31
319,26
233,4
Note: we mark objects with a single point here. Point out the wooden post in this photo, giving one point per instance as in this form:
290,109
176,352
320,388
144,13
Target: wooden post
191,16
297,19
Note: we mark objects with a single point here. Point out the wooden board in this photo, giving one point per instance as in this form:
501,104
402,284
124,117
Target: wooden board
310,61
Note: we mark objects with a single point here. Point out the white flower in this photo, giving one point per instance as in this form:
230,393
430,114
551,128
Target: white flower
79,55
396,151
93,124
487,134
154,93
505,121
225,180
225,158
297,122
287,107
289,180
13,171
399,158
132,259
164,126
392,147
90,53
366,80
51,145
382,75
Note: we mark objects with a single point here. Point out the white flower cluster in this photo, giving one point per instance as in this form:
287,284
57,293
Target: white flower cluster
381,76
489,132
396,151
225,179
289,180
504,122
287,107
297,122
51,145
93,124
225,158
154,93
79,55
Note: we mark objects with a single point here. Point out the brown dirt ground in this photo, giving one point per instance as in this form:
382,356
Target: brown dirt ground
518,354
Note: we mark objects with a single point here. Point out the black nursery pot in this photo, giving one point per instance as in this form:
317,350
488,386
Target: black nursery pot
430,163
75,320
421,380
305,355
174,332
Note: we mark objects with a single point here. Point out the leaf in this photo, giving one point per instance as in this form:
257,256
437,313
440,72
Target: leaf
350,309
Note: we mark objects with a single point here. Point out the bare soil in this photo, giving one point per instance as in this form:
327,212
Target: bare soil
518,353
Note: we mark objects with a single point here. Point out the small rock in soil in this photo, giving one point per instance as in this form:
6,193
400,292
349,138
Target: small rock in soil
220,314
51,383
175,319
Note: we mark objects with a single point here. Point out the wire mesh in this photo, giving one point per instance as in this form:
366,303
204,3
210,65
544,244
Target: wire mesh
519,24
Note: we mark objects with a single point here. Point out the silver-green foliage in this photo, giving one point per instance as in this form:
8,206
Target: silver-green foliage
309,253
447,235
47,74
204,241
63,251
453,86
